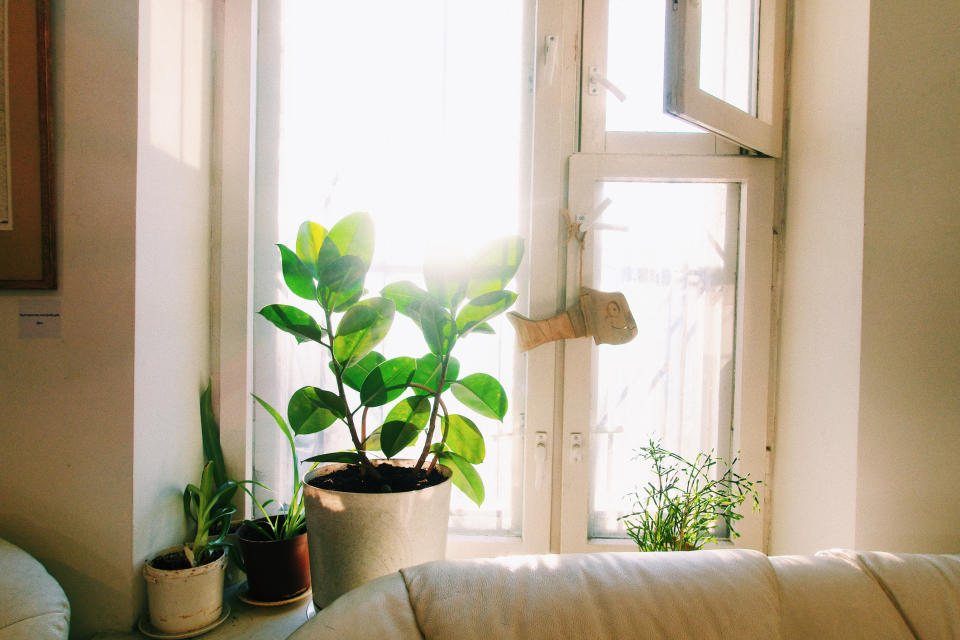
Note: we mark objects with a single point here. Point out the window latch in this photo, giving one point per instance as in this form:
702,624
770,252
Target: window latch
598,80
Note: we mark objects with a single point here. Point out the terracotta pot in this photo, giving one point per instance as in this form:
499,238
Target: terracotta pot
276,569
356,537
183,600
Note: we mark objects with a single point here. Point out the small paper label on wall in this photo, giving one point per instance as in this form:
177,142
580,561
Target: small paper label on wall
39,318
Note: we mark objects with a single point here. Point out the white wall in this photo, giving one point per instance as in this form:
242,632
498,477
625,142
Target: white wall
99,429
868,426
815,452
909,442
66,437
171,363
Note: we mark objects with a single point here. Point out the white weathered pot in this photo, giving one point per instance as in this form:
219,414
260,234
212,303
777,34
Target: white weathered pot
356,537
183,600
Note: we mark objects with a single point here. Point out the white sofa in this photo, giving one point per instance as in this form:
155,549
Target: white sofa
32,604
740,594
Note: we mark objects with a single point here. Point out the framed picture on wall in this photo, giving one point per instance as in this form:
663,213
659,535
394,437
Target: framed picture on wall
27,234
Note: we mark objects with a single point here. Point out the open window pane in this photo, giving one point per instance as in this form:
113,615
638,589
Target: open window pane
405,111
728,51
671,248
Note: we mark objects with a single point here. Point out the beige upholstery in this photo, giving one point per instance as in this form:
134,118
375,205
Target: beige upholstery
830,598
925,589
32,604
698,595
714,594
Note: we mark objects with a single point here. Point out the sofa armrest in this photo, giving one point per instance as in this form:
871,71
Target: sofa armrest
32,604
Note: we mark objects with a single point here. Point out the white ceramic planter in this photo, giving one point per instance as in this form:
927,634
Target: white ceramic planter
185,599
356,537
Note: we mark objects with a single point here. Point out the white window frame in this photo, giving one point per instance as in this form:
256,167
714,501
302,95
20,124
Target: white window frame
752,331
684,98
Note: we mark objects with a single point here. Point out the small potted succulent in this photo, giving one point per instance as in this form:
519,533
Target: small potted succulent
185,582
367,513
682,507
274,547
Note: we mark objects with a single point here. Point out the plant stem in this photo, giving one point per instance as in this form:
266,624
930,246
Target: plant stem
444,361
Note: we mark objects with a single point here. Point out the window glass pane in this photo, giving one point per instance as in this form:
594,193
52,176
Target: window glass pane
405,111
635,66
728,51
671,248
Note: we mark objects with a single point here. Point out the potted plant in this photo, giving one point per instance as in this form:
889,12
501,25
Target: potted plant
185,582
274,547
681,508
367,516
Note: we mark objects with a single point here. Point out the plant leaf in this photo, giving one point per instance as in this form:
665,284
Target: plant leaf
362,327
297,275
465,439
428,373
446,281
350,457
482,308
483,327
465,477
341,283
354,375
494,266
387,382
310,237
210,436
311,410
407,297
483,394
294,321
436,326
353,235
403,424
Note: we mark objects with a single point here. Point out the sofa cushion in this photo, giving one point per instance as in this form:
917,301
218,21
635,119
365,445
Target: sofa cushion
702,595
831,598
32,604
924,588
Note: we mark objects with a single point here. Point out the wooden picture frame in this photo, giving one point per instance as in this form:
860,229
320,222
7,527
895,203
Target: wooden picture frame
27,233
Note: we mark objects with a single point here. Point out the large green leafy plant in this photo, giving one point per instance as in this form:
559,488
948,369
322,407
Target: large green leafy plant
680,509
328,268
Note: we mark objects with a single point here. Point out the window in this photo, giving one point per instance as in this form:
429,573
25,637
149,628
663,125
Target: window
414,117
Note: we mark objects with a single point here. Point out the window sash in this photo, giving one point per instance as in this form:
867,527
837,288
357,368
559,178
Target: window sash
752,331
684,98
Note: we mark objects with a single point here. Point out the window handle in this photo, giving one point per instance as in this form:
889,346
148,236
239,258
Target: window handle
576,448
540,457
598,80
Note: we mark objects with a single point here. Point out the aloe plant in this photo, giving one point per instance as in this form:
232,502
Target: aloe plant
328,268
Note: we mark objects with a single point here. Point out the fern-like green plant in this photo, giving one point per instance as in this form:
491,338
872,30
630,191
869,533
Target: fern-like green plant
681,509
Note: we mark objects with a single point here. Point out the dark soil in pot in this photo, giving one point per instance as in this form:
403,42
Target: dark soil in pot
176,560
355,479
276,569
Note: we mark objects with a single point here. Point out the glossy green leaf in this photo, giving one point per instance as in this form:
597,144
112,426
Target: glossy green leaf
446,281
483,327
312,409
361,328
407,297
372,443
341,283
387,382
494,266
294,321
482,308
350,457
428,373
436,326
210,436
465,477
403,424
353,235
483,394
297,275
465,439
354,375
310,237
